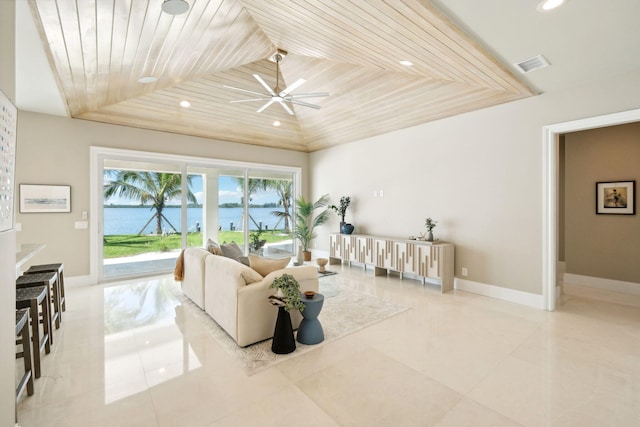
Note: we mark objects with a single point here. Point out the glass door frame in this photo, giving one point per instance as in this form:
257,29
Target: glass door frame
98,155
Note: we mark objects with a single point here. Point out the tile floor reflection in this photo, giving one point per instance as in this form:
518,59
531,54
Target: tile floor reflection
129,354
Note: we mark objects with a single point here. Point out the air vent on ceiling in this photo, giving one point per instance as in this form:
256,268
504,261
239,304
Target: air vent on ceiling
532,64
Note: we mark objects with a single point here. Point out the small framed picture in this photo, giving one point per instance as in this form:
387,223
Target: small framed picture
616,198
45,198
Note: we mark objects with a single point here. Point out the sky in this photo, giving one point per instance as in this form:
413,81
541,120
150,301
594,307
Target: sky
228,192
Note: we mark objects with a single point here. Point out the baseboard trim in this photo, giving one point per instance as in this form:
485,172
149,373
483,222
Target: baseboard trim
498,292
601,283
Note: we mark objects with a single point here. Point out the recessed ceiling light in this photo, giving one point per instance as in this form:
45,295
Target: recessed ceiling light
185,104
548,5
148,79
175,7
277,123
406,63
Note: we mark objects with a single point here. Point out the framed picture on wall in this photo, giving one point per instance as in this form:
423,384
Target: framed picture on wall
616,198
45,198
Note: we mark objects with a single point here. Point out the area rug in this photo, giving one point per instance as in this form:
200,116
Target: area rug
344,312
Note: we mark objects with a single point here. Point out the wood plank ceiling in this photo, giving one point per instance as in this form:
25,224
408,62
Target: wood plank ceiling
350,49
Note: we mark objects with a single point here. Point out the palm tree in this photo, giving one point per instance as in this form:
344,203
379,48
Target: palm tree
253,185
154,188
283,188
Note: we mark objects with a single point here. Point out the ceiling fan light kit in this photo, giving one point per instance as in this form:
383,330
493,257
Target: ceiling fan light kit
175,7
276,95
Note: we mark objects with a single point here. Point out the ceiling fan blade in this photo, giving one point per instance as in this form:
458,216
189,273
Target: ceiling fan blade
261,109
305,104
249,100
244,90
264,84
308,95
292,87
286,108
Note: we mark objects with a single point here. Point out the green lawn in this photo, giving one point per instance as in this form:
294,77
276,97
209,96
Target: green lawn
116,246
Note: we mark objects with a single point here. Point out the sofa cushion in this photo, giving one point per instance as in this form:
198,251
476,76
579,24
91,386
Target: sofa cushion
265,266
250,276
214,247
231,250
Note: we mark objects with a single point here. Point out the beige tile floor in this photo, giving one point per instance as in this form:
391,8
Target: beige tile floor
125,358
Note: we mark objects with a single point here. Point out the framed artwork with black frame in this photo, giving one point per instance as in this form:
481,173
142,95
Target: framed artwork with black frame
616,198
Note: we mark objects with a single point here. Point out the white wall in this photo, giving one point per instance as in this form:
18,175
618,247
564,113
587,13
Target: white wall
55,150
479,174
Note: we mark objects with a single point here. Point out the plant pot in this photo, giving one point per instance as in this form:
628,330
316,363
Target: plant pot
307,255
346,228
283,340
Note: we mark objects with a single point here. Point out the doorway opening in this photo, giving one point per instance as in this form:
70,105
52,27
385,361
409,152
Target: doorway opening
551,148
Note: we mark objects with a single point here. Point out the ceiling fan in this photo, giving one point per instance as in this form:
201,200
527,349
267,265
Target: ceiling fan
276,95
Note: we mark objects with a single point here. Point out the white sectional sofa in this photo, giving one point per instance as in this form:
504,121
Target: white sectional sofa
236,296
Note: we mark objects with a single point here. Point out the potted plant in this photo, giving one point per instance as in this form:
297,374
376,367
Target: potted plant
341,210
306,222
430,224
287,299
256,241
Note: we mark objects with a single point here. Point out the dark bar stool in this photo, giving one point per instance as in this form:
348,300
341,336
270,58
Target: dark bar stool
58,268
22,331
49,280
30,298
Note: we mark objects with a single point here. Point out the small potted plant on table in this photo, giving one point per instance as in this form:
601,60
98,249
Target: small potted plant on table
341,210
430,224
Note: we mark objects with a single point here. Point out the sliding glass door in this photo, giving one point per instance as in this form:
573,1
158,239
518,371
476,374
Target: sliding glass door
141,217
151,206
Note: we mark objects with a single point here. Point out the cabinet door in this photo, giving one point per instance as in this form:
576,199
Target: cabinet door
335,246
352,245
384,253
404,257
428,261
366,253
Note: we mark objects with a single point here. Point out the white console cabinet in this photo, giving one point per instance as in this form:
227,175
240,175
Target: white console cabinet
424,259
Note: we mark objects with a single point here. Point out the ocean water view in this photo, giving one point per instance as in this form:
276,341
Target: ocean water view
131,220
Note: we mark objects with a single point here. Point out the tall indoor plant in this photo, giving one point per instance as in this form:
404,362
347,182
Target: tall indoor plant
306,222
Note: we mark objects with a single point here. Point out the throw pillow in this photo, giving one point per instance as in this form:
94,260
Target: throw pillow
213,247
265,266
231,250
250,276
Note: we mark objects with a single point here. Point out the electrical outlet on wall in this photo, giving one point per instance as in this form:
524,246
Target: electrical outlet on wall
465,271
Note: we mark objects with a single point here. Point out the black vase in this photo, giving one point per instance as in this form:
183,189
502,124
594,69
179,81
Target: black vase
346,228
283,339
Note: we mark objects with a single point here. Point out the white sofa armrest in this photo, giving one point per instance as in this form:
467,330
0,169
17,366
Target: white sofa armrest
194,271
223,278
256,316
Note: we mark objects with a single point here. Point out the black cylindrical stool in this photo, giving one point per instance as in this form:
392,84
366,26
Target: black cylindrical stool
58,267
49,280
30,298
